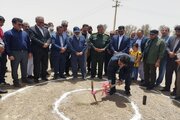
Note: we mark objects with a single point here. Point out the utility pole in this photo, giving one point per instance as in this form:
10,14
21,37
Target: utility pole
117,3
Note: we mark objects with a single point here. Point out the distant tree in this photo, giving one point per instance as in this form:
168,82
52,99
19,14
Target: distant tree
146,29
129,29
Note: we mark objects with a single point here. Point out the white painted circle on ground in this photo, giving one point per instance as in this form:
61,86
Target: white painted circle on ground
136,116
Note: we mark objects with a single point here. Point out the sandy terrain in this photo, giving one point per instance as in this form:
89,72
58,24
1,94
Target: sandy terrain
37,103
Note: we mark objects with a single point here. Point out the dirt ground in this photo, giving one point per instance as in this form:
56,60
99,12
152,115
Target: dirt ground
37,102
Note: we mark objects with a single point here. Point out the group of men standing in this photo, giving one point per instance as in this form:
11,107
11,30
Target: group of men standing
97,48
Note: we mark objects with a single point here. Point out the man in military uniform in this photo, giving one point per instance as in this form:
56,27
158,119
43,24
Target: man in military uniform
152,55
98,42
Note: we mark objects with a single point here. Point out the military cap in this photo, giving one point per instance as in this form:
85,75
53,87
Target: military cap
153,32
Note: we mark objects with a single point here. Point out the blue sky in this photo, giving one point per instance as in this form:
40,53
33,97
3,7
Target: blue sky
93,12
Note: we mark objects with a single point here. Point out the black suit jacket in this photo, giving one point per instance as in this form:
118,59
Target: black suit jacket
37,39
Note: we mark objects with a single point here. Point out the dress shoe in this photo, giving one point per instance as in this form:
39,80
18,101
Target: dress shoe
173,93
143,85
150,87
36,81
45,79
3,91
111,92
100,77
142,80
92,77
28,81
30,76
177,98
165,89
67,74
18,85
5,83
62,76
127,93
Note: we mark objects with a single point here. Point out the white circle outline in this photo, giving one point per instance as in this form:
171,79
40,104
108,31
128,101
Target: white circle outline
136,116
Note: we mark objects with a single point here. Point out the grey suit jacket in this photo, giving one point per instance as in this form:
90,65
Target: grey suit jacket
171,44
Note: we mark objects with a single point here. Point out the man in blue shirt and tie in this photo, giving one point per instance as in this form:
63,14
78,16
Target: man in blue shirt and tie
58,51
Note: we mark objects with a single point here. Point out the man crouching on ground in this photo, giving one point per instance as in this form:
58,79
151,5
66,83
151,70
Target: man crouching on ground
124,63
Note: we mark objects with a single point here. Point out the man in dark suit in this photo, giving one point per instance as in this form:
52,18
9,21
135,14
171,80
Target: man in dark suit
120,42
58,51
40,38
124,63
173,47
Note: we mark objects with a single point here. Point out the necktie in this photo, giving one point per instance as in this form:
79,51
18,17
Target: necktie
61,41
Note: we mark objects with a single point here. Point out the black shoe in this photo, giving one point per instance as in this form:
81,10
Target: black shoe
18,85
142,81
3,91
30,76
84,78
127,93
92,77
28,81
62,76
173,93
165,89
5,83
177,98
143,85
36,81
67,74
111,92
45,79
74,78
100,77
150,87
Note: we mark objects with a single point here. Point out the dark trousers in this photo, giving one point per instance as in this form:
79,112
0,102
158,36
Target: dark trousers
78,60
149,74
68,62
170,68
59,61
89,61
51,60
3,61
178,82
97,60
111,73
21,57
162,70
106,61
40,59
125,74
